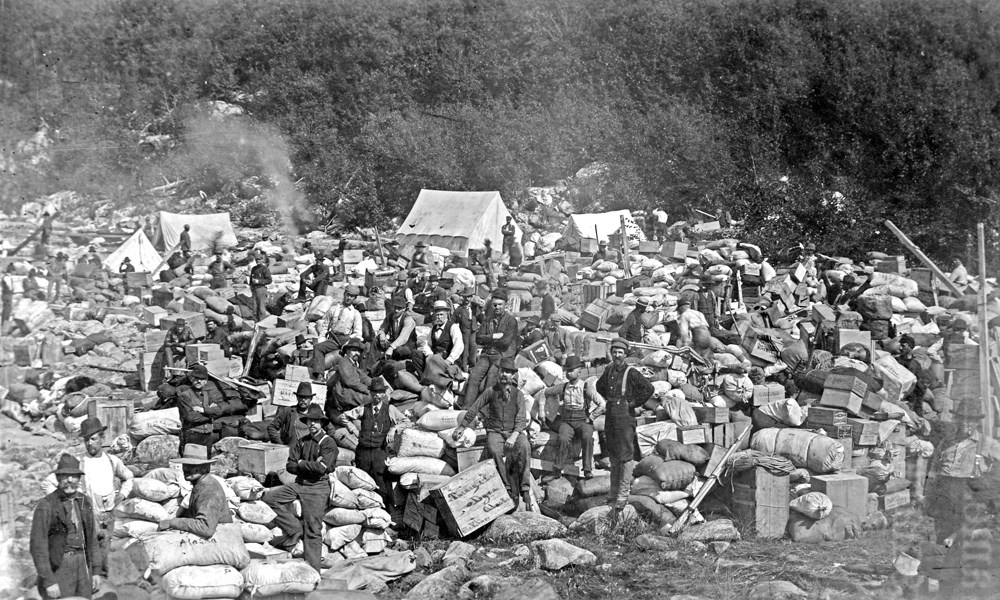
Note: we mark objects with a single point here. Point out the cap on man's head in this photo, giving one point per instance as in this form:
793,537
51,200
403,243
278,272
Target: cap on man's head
620,344
180,321
199,371
352,290
433,277
499,295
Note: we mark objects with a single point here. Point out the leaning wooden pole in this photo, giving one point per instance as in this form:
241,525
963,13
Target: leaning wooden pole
984,337
923,257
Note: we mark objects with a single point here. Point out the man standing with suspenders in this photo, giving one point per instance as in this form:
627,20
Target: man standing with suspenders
624,389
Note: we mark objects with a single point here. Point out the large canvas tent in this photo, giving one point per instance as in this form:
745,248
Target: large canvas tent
599,226
457,221
205,230
139,249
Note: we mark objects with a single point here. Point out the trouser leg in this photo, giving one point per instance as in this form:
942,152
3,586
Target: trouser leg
73,577
518,462
105,525
624,483
616,477
566,433
480,372
494,445
280,500
372,461
314,499
320,351
586,433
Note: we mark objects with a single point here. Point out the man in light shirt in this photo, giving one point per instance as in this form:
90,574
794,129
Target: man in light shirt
687,321
446,335
367,265
575,409
100,470
342,323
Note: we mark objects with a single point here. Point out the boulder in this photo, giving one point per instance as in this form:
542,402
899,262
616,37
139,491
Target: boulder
556,554
443,584
775,590
535,588
595,520
458,553
558,492
656,543
720,530
423,558
485,586
524,526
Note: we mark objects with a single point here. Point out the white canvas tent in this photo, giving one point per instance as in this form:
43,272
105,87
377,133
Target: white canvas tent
205,230
138,248
599,226
457,221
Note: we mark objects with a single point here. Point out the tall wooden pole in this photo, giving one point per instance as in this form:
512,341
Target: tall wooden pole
923,258
984,337
624,238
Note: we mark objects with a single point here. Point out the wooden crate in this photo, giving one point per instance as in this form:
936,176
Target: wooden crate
711,414
895,265
25,352
923,277
595,316
413,515
767,393
469,457
154,340
674,250
114,413
593,291
536,353
893,500
822,313
624,286
837,431
261,458
760,501
152,314
193,304
203,352
863,431
847,490
694,434
139,279
824,415
726,434
284,392
845,399
854,336
472,499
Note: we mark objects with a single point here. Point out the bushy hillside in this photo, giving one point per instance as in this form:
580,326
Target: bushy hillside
809,119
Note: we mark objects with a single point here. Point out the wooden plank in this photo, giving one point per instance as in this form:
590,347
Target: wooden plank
114,413
473,499
984,345
923,258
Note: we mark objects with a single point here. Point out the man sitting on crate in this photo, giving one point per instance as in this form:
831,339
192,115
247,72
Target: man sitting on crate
505,415
341,324
207,506
100,470
311,459
208,411
573,418
178,336
623,389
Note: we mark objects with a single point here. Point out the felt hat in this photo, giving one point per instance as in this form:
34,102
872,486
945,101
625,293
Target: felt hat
377,385
300,340
180,321
619,343
421,245
68,465
315,413
399,302
499,294
572,362
304,390
127,259
487,242
468,293
440,305
199,371
91,426
190,461
969,410
354,343
352,290
507,364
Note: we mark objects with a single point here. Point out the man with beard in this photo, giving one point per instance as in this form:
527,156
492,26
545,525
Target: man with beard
505,418
208,505
341,324
445,338
623,389
311,459
497,337
287,426
377,418
100,470
63,543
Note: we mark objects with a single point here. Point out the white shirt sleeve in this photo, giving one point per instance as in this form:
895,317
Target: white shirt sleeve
458,344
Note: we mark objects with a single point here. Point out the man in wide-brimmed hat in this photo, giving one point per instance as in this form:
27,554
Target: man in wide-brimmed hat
575,410
100,470
402,290
505,414
311,459
287,426
348,386
377,418
624,389
63,542
497,337
634,328
207,506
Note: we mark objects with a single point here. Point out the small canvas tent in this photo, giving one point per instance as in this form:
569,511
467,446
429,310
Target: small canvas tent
599,226
205,230
139,249
457,221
